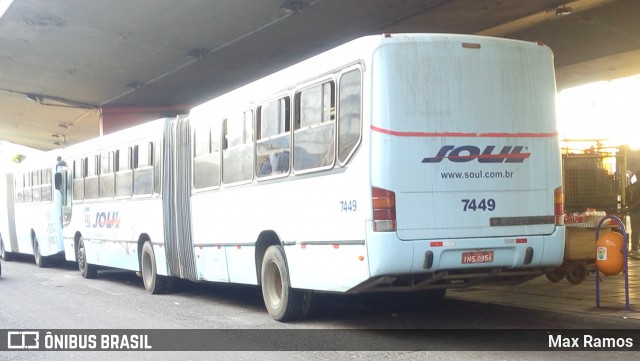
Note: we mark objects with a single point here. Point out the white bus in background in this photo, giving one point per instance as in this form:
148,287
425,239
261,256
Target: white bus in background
112,185
33,210
404,163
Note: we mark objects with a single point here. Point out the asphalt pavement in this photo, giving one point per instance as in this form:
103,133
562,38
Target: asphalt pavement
566,298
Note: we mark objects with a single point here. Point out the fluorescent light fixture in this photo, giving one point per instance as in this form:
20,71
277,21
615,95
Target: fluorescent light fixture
4,5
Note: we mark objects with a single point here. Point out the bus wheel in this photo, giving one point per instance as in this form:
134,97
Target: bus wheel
40,260
153,283
7,256
282,302
87,270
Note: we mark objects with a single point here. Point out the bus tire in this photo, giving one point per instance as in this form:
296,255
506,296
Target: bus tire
283,302
41,261
153,283
307,302
86,270
7,256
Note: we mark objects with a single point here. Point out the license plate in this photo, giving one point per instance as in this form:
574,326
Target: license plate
477,257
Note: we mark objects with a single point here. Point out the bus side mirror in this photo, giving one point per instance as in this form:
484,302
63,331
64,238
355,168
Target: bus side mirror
58,181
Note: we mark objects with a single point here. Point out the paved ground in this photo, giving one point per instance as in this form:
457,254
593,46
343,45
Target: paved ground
564,297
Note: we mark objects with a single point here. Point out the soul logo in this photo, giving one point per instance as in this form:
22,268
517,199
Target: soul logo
467,153
102,220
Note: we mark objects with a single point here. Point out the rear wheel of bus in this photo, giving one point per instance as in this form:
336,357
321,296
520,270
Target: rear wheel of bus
283,302
87,270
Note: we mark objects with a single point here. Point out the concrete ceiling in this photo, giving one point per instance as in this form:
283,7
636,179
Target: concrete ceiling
63,62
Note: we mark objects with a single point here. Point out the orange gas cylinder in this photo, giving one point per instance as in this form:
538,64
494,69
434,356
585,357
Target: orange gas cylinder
609,256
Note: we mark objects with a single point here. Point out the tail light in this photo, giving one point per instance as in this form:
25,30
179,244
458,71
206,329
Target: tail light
558,206
384,210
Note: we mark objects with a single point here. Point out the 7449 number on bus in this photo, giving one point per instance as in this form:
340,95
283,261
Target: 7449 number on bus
478,205
348,206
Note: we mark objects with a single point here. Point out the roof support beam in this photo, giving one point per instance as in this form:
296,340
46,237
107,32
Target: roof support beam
118,118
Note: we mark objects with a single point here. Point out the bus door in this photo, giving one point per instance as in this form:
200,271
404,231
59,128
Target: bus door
176,191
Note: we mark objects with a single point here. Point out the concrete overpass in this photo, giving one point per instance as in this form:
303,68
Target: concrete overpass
70,69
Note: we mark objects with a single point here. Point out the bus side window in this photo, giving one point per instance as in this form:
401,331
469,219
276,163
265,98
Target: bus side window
143,169
18,188
91,181
206,157
27,188
107,177
313,138
237,155
36,182
78,179
273,144
124,174
349,114
47,185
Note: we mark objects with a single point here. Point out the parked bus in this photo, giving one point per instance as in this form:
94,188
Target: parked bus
31,213
401,163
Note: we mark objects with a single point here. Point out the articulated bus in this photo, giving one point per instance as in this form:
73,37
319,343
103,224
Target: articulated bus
31,216
406,163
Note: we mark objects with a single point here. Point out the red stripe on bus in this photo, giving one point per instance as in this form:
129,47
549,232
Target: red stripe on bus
519,135
461,134
422,134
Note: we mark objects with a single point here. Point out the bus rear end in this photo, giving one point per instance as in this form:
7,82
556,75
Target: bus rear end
465,162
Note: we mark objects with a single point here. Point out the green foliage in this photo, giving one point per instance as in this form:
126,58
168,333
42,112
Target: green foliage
18,158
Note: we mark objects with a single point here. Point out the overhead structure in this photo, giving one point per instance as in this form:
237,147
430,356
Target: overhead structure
71,70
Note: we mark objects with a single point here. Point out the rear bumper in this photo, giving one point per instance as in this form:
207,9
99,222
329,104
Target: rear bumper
441,260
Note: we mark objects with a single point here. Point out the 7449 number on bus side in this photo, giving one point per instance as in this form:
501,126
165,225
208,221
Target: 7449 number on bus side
348,206
478,205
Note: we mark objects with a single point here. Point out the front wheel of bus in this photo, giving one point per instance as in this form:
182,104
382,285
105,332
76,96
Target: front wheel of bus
283,302
87,270
153,283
